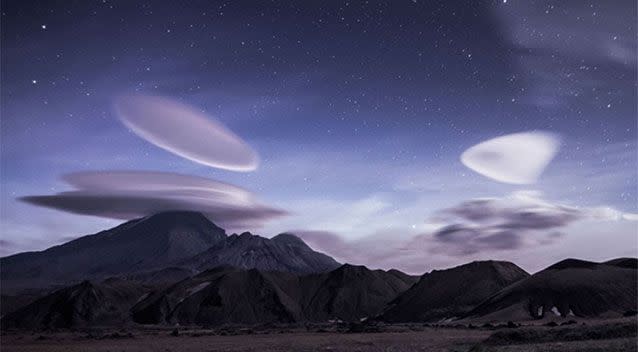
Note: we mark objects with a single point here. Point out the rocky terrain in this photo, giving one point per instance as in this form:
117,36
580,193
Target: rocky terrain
107,303
187,242
284,252
451,293
569,288
176,275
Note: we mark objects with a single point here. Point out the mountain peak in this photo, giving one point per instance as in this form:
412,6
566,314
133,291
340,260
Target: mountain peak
571,263
289,239
486,263
353,267
442,294
624,262
283,252
603,288
143,244
170,218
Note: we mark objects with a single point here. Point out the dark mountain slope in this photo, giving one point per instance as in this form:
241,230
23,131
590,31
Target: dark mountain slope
570,287
85,304
283,252
452,292
136,245
224,295
227,295
162,277
157,249
351,292
11,303
624,262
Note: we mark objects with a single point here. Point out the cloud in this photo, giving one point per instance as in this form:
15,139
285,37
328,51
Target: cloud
572,57
512,222
518,158
6,247
132,194
460,239
374,251
159,182
186,132
519,227
463,240
326,241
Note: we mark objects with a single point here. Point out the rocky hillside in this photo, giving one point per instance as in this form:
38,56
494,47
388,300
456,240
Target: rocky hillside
451,293
570,287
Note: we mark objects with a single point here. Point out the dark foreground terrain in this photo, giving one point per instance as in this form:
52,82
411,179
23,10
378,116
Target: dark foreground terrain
176,282
601,335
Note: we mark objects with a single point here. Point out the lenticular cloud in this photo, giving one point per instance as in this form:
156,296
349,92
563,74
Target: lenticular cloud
518,158
162,183
186,132
132,194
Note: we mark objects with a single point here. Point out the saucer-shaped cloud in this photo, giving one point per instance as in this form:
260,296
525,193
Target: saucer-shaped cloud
159,183
518,158
185,131
133,194
139,204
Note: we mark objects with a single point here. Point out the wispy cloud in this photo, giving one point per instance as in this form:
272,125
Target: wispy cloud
520,219
505,227
574,52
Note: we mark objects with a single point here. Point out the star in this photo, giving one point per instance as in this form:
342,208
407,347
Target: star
44,26
34,81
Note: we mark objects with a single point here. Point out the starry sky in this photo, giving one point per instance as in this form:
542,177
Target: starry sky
359,111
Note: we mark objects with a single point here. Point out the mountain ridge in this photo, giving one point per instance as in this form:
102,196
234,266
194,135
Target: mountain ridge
350,293
150,244
449,293
570,287
281,253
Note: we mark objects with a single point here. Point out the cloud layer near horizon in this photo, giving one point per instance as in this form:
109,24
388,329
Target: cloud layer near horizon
521,221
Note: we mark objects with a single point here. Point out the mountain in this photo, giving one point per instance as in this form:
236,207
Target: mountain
162,277
162,247
486,290
444,294
624,262
351,292
136,245
84,304
224,295
570,287
227,295
284,252
11,303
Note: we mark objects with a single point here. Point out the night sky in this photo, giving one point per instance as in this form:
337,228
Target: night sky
359,112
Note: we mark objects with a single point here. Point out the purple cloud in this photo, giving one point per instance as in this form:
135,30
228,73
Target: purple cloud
326,241
463,240
514,215
132,194
511,222
159,183
184,131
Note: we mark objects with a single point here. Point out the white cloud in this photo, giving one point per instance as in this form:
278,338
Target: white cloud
186,132
518,158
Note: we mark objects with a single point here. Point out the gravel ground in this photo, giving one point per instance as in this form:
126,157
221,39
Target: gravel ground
601,336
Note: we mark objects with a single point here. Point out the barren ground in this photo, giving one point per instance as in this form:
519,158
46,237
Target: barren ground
599,336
